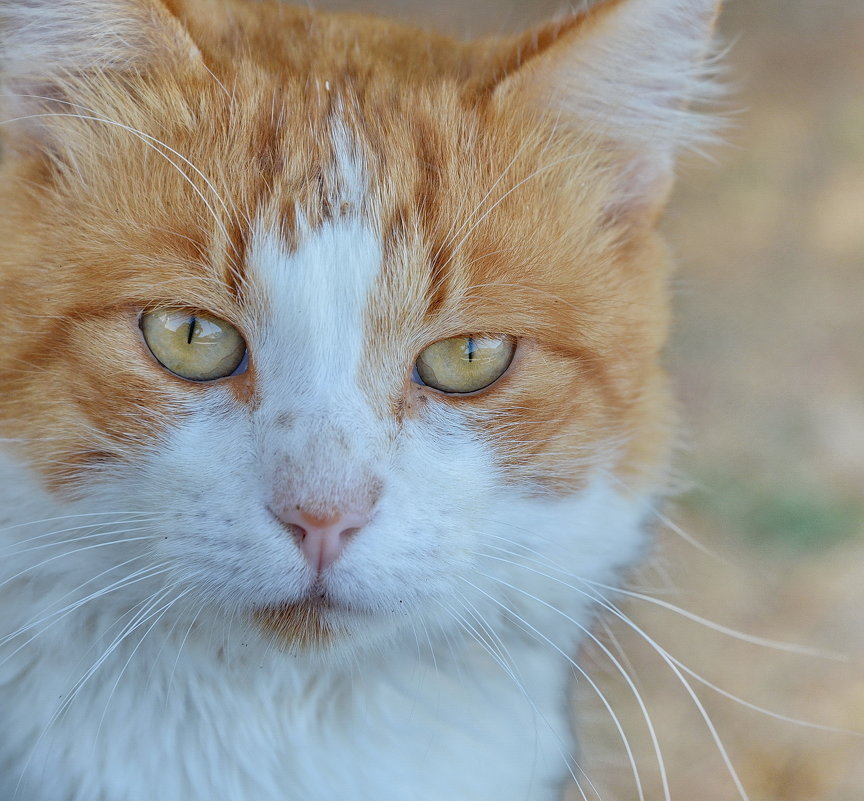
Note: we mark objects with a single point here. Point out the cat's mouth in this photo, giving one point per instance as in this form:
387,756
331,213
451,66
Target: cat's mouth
313,622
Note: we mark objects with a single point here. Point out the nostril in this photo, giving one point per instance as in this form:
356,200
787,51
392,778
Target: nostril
298,532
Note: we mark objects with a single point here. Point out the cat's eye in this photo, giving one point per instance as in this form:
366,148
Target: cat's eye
197,347
464,364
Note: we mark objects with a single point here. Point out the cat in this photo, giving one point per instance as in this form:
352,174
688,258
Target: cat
331,390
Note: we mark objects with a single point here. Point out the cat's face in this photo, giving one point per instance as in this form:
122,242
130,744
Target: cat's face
338,213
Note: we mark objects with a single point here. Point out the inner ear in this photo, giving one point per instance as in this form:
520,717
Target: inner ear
628,74
45,38
54,52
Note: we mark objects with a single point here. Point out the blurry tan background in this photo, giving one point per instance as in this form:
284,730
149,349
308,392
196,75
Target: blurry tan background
769,359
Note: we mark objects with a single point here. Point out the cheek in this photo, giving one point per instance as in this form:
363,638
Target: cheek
96,400
444,481
557,419
205,479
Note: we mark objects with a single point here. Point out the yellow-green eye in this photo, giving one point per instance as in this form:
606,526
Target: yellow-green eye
464,364
198,347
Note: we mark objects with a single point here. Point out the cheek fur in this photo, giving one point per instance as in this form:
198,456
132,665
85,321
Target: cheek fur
97,397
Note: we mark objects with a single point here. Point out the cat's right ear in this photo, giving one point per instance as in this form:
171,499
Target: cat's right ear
51,48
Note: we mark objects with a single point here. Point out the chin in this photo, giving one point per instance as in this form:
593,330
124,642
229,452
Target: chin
320,624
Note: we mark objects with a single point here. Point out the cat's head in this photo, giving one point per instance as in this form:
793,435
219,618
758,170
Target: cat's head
366,321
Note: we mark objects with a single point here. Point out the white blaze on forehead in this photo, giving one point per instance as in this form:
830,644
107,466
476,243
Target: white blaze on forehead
312,332
349,169
315,298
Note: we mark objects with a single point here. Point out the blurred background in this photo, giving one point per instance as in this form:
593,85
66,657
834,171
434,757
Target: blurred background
768,355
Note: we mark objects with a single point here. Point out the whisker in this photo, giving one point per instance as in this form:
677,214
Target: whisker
180,650
78,550
776,645
159,616
616,721
137,132
510,672
85,537
127,581
138,619
752,639
429,640
154,144
762,710
535,174
61,517
454,232
715,735
159,595
689,671
669,523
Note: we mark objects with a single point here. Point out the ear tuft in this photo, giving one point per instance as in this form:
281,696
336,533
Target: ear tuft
44,38
631,72
52,49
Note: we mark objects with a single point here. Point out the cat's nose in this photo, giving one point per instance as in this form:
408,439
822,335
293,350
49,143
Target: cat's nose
322,538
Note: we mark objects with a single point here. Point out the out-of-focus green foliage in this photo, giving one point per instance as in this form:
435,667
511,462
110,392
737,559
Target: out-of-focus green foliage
776,516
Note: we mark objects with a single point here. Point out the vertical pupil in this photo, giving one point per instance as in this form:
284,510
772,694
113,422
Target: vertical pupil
192,323
471,348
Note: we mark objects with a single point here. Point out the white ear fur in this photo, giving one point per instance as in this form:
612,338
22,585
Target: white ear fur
49,49
629,71
44,38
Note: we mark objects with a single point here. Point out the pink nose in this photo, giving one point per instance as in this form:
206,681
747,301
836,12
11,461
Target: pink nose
321,539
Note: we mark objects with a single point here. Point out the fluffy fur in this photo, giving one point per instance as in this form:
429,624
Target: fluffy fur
345,191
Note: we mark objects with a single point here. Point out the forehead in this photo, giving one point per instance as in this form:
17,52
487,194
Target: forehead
469,203
310,301
391,220
348,283
337,284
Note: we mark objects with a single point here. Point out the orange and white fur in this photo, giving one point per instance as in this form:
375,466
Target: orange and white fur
321,572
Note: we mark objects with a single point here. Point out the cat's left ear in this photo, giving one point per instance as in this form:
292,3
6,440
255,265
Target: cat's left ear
627,72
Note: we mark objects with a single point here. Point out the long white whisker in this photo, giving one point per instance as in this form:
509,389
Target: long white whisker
60,517
454,232
180,650
535,174
429,641
509,670
776,645
617,722
147,605
83,538
141,575
139,618
132,578
138,132
668,522
689,671
158,616
715,735
710,624
762,710
154,144
78,550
